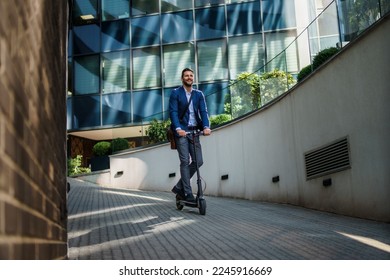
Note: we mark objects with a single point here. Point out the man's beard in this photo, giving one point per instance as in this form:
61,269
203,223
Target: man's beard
188,84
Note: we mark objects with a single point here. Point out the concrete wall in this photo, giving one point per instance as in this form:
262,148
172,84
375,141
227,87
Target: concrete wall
349,96
33,37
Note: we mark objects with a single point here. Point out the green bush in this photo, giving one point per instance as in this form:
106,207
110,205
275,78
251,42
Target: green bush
157,131
305,71
74,166
323,56
219,119
119,144
102,148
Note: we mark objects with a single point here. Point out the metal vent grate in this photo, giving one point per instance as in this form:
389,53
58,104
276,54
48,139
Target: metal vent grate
329,159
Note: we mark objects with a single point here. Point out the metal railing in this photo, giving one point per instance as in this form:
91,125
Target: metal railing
335,26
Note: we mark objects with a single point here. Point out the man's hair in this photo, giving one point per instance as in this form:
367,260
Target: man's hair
185,70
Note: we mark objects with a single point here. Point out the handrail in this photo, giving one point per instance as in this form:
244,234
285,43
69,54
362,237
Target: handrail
313,39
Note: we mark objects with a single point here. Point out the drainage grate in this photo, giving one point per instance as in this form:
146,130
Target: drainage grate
328,159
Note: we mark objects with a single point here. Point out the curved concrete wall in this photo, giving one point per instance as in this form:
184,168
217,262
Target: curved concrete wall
346,97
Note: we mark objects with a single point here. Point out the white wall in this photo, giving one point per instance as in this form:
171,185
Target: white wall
349,96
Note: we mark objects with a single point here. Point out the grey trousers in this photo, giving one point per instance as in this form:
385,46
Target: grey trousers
185,149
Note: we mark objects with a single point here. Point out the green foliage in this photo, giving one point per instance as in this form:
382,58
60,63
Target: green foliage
318,60
157,131
119,144
102,148
305,71
219,119
250,91
273,84
244,96
74,166
362,13
323,56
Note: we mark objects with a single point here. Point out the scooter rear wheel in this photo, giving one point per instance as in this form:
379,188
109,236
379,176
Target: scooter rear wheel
202,206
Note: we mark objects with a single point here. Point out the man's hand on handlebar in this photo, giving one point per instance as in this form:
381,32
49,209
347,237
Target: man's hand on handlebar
206,131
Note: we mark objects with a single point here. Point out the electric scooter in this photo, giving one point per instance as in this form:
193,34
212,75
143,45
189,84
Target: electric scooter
200,201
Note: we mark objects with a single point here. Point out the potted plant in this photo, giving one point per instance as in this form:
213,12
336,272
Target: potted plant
100,160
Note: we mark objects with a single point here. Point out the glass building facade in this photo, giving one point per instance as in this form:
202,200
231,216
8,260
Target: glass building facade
125,56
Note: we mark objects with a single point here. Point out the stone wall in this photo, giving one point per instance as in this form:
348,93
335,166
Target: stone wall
33,74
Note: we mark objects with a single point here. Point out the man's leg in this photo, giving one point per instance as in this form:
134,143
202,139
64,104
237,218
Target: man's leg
184,157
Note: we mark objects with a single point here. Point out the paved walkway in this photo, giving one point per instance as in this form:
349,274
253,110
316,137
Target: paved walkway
120,224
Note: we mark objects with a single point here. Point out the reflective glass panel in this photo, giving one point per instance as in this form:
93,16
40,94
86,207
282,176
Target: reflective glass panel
115,9
144,7
85,11
146,68
145,31
116,72
246,54
83,117
116,108
244,18
175,5
212,60
215,97
86,39
69,113
176,58
177,27
210,23
147,103
86,71
275,44
115,35
201,3
278,14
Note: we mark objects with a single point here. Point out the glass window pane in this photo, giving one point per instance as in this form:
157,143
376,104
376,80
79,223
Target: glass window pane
145,31
69,113
210,23
246,54
215,97
175,5
116,72
85,11
147,103
277,42
278,14
176,58
115,35
115,9
86,71
146,68
143,7
116,108
177,27
86,39
202,3
244,18
86,118
212,60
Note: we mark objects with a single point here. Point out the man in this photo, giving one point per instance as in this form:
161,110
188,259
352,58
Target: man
188,112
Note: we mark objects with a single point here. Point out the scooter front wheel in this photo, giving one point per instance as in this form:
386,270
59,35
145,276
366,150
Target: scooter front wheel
179,206
202,206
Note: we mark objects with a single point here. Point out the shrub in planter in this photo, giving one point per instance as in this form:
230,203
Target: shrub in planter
157,131
219,119
102,148
305,71
119,144
323,56
75,168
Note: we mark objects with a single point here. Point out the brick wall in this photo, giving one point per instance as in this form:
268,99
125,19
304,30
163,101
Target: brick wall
33,38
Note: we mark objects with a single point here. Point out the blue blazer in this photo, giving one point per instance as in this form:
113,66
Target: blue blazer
178,103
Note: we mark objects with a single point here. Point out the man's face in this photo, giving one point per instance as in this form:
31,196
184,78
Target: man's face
188,78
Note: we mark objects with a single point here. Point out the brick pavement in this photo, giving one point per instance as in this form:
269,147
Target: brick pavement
121,224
